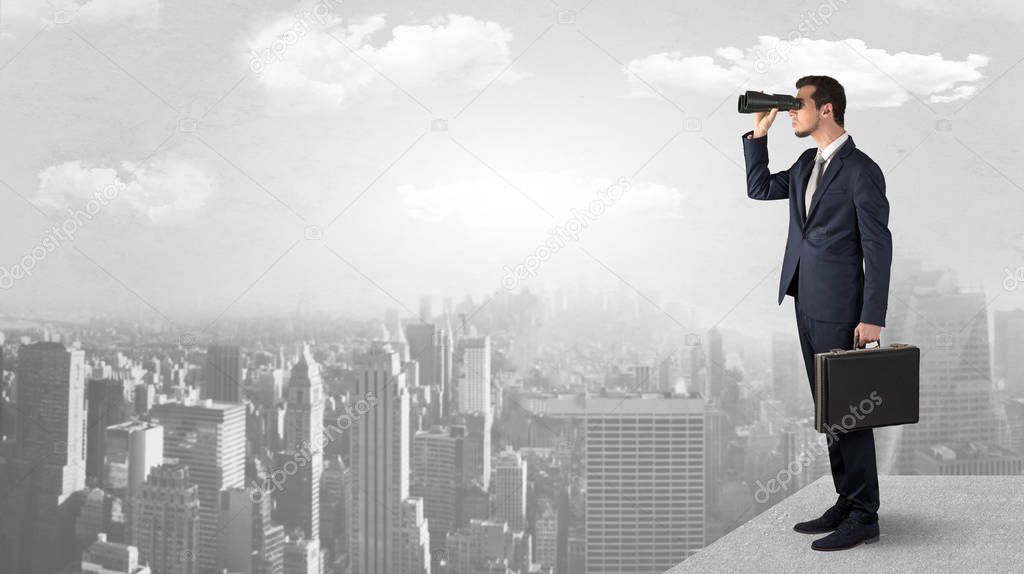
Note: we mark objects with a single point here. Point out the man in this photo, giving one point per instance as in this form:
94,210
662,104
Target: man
838,216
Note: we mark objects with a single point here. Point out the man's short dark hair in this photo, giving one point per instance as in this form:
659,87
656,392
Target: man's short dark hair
826,91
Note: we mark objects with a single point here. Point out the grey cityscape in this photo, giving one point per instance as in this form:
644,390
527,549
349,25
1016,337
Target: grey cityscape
352,287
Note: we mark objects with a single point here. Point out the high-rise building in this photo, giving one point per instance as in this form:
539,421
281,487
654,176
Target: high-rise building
37,509
447,366
1008,360
380,461
131,450
299,499
52,404
483,546
166,521
94,517
334,509
546,534
509,489
644,464
269,385
208,437
957,400
718,377
424,342
102,557
223,373
643,378
433,349
110,402
1014,409
476,463
414,556
476,504
475,388
247,539
301,555
426,311
714,447
437,469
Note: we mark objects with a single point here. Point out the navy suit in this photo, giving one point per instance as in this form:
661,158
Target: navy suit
836,268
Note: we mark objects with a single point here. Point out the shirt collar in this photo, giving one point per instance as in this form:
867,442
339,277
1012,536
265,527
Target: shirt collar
831,148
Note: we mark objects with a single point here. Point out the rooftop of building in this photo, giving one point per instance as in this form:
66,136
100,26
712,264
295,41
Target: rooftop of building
973,450
928,524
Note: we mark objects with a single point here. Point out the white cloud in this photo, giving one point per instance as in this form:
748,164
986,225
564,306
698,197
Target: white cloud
33,12
454,53
161,192
872,77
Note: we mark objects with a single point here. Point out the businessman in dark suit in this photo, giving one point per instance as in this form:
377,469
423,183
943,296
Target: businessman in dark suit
838,219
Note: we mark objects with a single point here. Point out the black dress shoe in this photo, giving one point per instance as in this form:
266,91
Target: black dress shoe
827,522
856,528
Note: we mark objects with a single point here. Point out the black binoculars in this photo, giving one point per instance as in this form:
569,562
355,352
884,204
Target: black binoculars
751,102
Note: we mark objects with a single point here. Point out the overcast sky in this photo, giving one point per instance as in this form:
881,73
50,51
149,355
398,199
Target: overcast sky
269,154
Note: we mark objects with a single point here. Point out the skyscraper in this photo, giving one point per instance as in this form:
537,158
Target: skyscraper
476,464
475,388
645,481
510,489
301,555
414,554
380,461
475,548
131,450
431,348
247,539
437,471
208,437
957,396
166,521
48,467
334,509
1008,360
223,373
108,403
299,499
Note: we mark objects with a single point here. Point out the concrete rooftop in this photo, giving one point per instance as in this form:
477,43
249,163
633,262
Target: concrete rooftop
928,524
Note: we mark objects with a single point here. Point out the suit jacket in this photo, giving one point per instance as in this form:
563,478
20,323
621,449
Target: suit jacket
837,256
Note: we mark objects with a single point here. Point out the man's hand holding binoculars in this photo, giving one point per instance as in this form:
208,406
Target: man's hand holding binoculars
763,121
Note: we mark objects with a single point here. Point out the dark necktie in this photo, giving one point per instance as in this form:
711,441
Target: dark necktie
812,184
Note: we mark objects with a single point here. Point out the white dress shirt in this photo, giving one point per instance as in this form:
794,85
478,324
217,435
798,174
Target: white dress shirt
827,154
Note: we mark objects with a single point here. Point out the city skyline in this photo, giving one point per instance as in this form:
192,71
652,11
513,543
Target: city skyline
357,287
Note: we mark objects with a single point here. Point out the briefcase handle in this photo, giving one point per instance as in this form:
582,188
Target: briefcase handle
855,339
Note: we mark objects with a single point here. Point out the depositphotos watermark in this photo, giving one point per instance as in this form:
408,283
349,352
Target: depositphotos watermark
303,25
59,233
562,234
784,476
810,22
1013,278
258,490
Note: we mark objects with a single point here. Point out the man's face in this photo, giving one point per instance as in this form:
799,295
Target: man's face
805,120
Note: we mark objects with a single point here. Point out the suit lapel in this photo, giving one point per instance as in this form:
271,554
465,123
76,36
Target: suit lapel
802,180
834,166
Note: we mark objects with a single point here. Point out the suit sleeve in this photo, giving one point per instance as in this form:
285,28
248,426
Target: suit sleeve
872,210
761,183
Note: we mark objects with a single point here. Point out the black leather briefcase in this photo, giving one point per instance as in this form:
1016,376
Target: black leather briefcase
866,388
